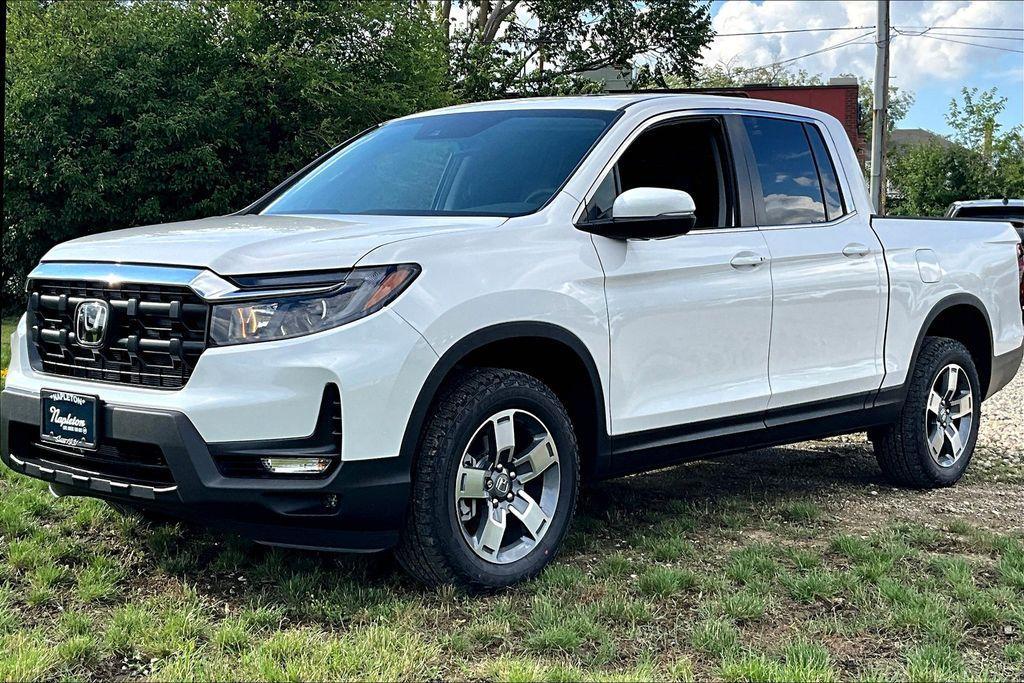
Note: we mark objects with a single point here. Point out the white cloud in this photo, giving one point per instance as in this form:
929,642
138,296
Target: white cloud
914,60
783,209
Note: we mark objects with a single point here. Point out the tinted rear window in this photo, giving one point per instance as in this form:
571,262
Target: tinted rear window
827,172
1007,212
789,178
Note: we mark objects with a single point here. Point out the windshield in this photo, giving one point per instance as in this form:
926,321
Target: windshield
494,163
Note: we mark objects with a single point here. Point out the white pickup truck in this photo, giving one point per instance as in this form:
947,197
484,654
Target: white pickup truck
426,338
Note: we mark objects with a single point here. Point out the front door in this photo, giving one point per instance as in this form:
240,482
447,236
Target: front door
690,316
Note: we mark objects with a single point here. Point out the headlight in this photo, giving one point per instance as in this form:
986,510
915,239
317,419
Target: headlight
363,292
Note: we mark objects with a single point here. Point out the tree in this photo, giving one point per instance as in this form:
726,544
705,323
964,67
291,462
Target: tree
729,75
498,48
975,122
927,178
1008,164
983,162
128,113
900,102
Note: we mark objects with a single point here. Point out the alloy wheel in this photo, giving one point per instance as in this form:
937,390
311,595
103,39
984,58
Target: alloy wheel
507,486
949,415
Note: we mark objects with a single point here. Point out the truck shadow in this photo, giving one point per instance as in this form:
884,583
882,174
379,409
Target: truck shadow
759,477
732,494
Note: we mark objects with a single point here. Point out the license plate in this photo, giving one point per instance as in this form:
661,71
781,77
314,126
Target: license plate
69,419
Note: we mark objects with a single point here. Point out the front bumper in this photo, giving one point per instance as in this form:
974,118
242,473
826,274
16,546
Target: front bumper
360,506
272,390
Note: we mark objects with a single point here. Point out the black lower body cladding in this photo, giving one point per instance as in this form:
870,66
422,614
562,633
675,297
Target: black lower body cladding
360,506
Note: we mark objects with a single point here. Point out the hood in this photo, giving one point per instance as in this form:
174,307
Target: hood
238,245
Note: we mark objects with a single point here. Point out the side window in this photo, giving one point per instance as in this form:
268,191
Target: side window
827,172
789,178
686,155
600,206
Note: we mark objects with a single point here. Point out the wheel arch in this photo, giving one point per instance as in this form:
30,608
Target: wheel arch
569,364
962,317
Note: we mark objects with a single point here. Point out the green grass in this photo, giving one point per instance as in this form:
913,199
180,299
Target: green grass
7,326
745,605
715,637
665,581
800,511
813,585
798,661
83,593
726,570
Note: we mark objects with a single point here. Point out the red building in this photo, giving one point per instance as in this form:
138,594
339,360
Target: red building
838,98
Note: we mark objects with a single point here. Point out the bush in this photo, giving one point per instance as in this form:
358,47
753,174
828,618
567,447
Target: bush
929,177
121,114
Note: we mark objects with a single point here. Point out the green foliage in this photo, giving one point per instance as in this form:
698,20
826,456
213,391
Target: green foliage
715,636
981,162
130,113
665,581
539,47
931,176
121,114
974,121
728,75
7,326
900,102
800,661
744,605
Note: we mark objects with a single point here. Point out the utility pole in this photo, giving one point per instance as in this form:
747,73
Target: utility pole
880,108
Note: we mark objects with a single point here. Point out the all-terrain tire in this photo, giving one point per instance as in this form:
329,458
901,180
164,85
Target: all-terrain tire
902,448
432,547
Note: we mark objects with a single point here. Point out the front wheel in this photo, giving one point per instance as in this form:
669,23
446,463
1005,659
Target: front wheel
932,442
495,483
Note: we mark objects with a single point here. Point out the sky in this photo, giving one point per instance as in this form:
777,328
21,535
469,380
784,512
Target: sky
933,69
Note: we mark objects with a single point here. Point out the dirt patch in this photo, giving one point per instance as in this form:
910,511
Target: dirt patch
992,506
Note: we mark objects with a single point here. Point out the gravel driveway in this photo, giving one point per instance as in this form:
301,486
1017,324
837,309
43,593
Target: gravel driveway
1000,449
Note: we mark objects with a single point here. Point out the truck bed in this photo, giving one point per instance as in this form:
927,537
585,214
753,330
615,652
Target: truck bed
929,260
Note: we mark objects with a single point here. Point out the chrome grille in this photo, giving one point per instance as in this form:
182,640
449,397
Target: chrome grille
155,335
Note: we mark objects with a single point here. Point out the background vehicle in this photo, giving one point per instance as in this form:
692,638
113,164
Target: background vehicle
429,336
998,209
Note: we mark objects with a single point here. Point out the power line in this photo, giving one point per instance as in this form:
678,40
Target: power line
858,28
964,28
961,42
932,32
793,30
851,41
975,35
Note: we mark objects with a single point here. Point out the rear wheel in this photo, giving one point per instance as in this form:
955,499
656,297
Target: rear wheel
495,483
932,442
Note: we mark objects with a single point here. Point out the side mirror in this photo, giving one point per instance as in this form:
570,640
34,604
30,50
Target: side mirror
647,213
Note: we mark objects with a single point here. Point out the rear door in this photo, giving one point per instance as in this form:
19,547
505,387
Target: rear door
690,316
827,269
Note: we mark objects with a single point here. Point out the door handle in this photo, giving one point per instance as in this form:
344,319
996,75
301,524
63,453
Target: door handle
856,250
747,259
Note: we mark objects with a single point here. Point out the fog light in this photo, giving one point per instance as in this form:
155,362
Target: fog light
296,465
